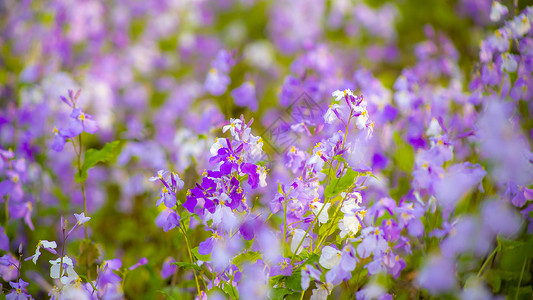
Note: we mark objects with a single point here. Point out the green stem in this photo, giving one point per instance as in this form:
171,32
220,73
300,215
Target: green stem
520,280
486,261
7,213
327,200
321,240
285,222
82,186
192,260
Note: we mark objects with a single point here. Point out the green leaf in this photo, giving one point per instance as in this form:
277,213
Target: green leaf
186,265
494,280
279,293
200,256
403,155
246,257
339,158
338,185
89,252
294,281
92,157
523,293
231,291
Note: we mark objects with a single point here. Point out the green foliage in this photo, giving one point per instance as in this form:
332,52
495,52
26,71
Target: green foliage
403,154
200,256
251,257
109,152
338,185
89,252
279,293
186,266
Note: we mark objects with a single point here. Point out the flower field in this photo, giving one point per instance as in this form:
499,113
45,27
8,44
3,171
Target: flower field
256,149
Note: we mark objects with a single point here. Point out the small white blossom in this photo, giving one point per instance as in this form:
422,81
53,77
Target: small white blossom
69,270
330,257
509,62
43,244
316,207
497,11
297,237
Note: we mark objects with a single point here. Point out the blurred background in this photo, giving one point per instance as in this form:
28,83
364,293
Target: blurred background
150,74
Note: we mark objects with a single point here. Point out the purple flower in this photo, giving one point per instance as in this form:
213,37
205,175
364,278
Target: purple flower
245,96
458,180
343,269
60,137
281,267
508,221
308,272
223,61
143,261
168,267
81,122
206,246
216,82
19,290
168,219
490,74
251,171
522,89
8,267
497,11
12,185
4,240
171,185
437,275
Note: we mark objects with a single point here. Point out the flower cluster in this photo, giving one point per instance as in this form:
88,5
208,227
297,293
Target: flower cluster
376,156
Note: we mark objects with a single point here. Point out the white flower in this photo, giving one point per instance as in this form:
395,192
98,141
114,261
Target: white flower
434,128
256,147
341,94
520,25
262,176
297,237
330,257
360,121
81,218
349,225
234,124
350,222
330,116
316,207
44,244
509,62
214,148
321,292
56,267
160,175
497,11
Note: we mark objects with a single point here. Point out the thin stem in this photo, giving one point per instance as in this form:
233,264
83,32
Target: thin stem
285,221
520,280
486,261
326,200
123,278
62,253
79,152
322,239
82,184
7,213
192,260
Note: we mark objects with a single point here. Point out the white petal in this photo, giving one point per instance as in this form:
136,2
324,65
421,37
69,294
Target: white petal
330,257
54,271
